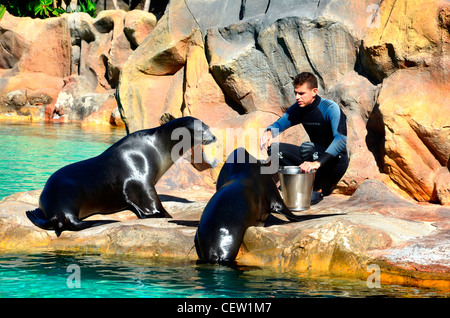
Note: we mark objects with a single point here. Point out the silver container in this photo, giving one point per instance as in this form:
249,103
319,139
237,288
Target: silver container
296,187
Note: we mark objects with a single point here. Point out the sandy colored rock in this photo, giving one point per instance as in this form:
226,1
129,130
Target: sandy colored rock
26,93
413,104
138,25
107,115
408,33
147,93
240,131
442,186
26,36
239,54
203,98
63,48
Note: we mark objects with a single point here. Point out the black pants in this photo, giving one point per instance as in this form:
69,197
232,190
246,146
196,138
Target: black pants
327,176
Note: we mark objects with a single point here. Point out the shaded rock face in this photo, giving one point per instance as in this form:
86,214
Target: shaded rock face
281,50
236,64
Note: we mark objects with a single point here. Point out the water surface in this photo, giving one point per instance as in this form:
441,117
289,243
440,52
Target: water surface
53,275
31,152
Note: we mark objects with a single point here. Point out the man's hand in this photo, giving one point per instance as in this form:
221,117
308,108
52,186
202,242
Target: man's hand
266,140
309,166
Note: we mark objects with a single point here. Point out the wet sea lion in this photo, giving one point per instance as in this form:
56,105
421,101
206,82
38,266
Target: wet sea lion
122,177
244,197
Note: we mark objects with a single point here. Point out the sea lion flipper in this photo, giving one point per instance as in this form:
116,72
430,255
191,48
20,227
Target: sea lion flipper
145,202
38,218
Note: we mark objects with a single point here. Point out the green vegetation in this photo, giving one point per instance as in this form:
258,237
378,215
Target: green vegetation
43,8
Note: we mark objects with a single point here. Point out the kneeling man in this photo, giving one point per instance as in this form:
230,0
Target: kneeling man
326,126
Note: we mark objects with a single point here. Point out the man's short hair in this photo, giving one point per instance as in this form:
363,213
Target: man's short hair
306,77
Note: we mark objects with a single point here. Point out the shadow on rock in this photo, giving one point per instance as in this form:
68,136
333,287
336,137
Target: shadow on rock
171,198
188,223
273,220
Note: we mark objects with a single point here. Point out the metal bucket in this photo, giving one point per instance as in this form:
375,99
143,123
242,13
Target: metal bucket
296,187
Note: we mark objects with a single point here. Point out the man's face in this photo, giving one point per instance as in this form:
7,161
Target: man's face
305,95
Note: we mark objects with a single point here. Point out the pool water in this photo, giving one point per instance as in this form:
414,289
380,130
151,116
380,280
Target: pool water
66,275
31,152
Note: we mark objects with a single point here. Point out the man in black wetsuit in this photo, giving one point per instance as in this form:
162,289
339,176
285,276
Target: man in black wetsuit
326,126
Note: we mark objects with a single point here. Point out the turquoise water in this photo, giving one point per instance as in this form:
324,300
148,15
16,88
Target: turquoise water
56,275
30,153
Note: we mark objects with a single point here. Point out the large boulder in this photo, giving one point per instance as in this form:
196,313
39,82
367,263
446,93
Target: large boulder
413,104
25,94
408,33
35,46
407,50
356,95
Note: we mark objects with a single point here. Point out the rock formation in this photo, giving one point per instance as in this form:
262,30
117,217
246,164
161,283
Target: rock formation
231,65
67,68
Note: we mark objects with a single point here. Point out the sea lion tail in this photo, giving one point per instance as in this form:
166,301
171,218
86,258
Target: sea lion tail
38,218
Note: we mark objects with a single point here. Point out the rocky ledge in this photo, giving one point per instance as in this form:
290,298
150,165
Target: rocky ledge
342,235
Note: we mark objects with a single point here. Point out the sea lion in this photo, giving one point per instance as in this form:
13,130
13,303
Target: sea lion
244,197
122,177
